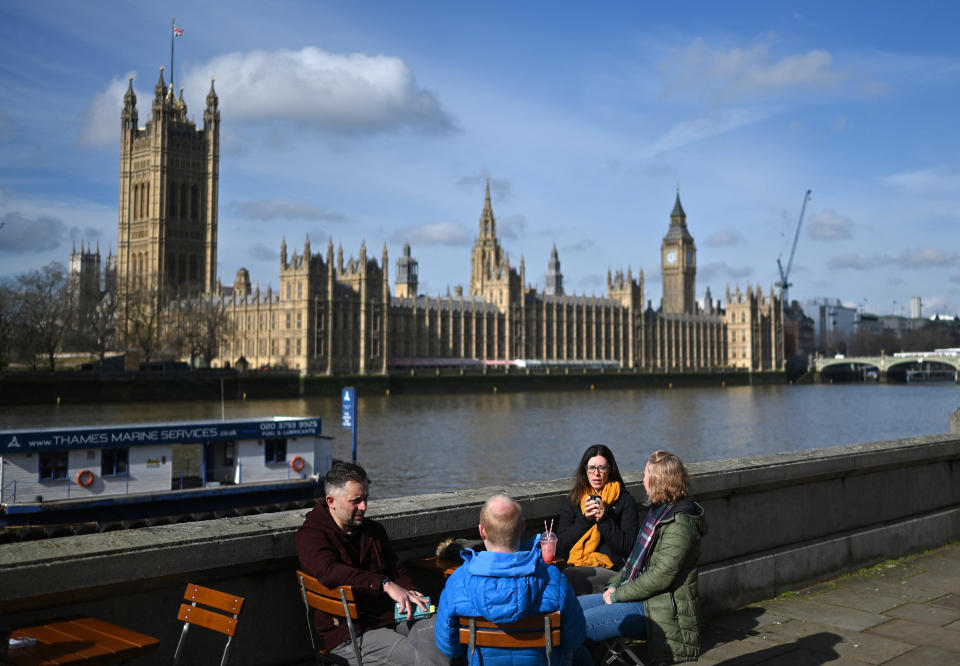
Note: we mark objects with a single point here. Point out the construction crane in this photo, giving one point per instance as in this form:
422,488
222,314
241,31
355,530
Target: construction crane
784,282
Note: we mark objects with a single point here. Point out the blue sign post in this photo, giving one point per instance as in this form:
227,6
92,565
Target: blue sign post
348,398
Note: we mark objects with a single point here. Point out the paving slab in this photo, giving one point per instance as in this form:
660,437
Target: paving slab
925,656
861,646
906,589
831,616
925,613
868,600
948,601
746,620
937,581
921,635
937,563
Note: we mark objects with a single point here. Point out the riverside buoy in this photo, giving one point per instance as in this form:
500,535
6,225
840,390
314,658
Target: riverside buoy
297,464
85,478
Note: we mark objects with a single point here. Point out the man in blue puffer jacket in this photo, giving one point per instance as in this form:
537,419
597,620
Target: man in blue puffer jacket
505,583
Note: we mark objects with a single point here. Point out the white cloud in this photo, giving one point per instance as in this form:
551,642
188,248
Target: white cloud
725,237
718,121
829,225
940,180
736,73
326,91
926,257
100,124
434,233
274,209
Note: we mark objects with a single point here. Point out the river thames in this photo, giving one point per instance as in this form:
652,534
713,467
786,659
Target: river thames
412,444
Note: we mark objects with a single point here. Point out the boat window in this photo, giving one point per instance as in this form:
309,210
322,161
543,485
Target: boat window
113,462
275,450
53,466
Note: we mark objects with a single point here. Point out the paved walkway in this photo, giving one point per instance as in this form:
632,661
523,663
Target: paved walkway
905,612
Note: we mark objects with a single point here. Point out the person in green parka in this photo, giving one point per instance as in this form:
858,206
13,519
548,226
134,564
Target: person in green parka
654,597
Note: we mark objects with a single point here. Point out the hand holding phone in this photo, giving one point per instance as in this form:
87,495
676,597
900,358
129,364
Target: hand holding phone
417,614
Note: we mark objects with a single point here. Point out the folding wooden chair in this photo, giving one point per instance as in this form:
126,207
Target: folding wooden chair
339,602
542,630
220,615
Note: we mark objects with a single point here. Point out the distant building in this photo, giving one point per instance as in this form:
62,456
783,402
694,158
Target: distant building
832,321
337,316
916,307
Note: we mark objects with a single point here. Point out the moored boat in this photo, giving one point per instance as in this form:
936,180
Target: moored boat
108,473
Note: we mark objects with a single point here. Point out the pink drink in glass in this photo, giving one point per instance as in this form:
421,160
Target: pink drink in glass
548,546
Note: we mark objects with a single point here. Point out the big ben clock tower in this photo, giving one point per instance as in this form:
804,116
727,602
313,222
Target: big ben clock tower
678,264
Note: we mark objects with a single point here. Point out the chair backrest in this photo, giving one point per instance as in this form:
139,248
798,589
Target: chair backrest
541,630
338,601
210,609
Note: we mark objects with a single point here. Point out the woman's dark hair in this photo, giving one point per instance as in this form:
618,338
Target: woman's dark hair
580,482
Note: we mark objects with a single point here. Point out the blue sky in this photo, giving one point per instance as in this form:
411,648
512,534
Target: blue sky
380,121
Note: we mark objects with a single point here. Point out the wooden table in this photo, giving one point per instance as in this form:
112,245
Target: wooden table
86,640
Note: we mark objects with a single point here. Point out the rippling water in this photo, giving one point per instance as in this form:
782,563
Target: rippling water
417,444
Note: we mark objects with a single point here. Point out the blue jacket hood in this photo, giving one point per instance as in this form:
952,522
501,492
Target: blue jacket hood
504,565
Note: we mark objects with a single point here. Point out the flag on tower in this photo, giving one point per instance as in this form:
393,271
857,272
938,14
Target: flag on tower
177,32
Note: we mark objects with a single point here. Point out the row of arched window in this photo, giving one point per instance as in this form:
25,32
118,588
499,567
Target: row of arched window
177,266
183,201
141,201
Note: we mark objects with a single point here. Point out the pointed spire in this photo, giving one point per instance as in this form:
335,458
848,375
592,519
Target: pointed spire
488,224
130,98
160,88
212,99
678,213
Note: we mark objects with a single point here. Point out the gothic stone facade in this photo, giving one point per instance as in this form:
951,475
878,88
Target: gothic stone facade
333,316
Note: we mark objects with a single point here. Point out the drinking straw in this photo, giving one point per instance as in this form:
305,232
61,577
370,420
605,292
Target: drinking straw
551,525
544,524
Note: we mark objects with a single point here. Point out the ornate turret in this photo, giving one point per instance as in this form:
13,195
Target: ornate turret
407,268
554,285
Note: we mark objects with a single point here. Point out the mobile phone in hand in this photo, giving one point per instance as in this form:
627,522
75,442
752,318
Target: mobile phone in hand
400,616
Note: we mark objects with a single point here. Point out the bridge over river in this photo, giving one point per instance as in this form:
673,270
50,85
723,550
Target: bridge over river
918,366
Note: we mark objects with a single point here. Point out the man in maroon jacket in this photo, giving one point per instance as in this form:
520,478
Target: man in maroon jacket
338,546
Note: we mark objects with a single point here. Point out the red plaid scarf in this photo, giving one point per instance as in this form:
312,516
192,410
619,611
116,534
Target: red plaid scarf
638,556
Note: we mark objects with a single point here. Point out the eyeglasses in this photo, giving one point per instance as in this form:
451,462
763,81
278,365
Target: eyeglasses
597,468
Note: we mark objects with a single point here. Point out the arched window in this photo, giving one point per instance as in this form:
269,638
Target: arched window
182,269
145,211
135,203
172,200
193,268
194,203
184,210
171,268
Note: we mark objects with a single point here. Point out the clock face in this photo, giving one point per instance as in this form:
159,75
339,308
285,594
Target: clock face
671,257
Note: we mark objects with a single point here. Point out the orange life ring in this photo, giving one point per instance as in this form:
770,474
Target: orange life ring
297,464
85,478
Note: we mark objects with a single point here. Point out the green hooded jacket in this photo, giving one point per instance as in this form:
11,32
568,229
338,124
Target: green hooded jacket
667,586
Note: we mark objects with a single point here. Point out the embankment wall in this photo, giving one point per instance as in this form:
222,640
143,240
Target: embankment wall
777,522
86,388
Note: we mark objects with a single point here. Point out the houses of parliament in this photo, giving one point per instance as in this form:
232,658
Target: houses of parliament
337,315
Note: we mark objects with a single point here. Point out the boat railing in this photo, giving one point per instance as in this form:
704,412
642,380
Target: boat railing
12,486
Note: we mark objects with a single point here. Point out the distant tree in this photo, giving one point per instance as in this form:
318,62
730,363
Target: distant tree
100,325
44,312
142,321
211,327
8,311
